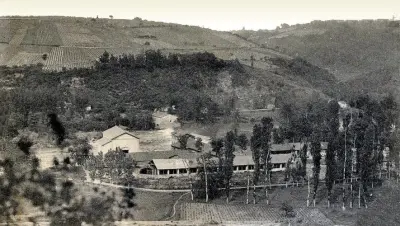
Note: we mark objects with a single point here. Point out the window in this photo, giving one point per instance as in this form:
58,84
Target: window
251,167
242,168
163,172
235,168
276,165
172,171
193,170
126,151
182,171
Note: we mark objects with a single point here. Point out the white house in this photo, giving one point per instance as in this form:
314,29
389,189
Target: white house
116,137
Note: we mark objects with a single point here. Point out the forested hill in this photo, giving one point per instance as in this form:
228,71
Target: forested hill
123,89
354,51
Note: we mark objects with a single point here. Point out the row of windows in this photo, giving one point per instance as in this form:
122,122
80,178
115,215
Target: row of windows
236,168
175,171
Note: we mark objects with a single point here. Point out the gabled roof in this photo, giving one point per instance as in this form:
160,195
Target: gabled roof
111,134
102,141
116,131
161,164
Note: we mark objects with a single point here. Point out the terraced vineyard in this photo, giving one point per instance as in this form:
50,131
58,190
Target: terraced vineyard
5,35
78,36
68,57
42,33
23,58
78,42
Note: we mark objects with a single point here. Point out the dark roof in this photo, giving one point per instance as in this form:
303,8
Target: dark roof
191,144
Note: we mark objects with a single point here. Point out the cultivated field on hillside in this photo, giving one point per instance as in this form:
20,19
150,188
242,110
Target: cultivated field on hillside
246,213
80,35
42,33
5,34
23,58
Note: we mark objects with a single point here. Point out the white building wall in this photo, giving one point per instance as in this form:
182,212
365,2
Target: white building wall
124,141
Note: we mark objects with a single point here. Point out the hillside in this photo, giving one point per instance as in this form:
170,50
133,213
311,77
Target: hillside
354,51
68,42
76,42
180,76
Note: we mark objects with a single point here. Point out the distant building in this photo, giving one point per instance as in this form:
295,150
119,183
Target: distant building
116,137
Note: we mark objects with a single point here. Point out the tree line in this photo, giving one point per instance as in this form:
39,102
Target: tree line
357,136
151,59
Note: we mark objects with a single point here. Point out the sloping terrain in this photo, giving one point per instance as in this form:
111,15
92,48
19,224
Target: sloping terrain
77,42
365,53
68,42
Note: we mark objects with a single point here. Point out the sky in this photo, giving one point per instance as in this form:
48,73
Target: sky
214,14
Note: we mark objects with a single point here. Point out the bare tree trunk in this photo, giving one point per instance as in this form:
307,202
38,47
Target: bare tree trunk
365,198
205,177
344,167
351,189
308,194
329,200
315,194
248,188
359,196
351,182
270,181
254,193
227,189
191,191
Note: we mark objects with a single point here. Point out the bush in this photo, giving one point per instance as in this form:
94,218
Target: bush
142,121
288,209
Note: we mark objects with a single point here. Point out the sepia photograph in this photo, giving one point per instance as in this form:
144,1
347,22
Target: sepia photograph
195,113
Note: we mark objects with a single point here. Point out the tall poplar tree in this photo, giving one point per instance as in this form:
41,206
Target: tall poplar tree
228,161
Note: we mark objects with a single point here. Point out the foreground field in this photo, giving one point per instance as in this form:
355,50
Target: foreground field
296,197
241,213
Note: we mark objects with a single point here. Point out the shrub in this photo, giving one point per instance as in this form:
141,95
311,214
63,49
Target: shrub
288,209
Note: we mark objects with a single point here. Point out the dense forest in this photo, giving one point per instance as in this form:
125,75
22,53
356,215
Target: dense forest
118,90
